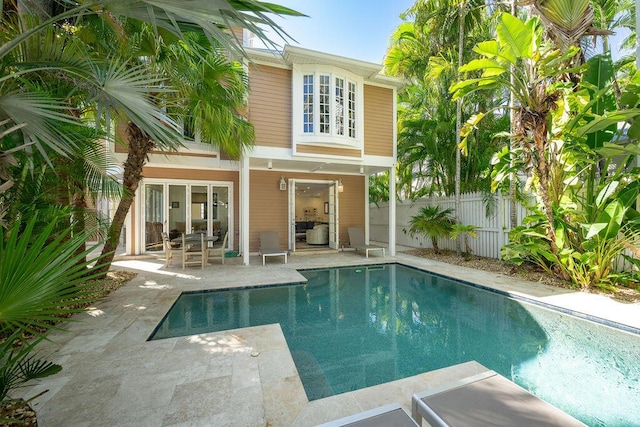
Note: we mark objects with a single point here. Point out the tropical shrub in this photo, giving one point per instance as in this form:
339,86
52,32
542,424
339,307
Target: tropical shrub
567,145
467,231
43,279
432,222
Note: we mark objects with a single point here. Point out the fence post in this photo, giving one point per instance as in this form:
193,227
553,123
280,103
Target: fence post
501,213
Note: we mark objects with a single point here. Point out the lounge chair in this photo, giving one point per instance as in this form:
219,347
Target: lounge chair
356,241
270,246
485,399
215,252
386,416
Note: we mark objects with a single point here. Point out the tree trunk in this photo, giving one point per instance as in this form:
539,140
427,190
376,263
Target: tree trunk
513,212
541,143
139,147
459,119
80,211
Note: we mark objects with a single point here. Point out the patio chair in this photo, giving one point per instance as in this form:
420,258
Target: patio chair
193,253
190,253
170,249
210,253
485,399
386,416
356,241
270,246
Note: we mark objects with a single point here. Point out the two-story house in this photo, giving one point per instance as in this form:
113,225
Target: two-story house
323,124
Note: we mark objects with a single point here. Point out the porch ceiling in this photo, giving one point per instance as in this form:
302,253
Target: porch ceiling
315,166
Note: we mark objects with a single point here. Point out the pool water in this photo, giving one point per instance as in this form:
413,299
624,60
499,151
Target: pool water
350,328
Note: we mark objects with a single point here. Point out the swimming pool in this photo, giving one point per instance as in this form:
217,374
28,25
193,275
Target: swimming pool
350,328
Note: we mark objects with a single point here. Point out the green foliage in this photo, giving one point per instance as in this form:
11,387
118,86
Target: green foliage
568,145
433,222
467,231
423,52
379,188
44,279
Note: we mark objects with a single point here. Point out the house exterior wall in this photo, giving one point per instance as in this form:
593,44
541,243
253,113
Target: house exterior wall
282,148
379,121
121,137
329,151
268,205
270,105
203,175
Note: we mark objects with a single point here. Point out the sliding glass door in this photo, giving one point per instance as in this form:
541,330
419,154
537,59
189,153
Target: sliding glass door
188,208
154,220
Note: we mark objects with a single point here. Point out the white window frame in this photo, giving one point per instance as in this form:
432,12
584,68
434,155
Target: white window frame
333,138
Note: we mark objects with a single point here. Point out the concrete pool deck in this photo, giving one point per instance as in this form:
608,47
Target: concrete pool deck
112,376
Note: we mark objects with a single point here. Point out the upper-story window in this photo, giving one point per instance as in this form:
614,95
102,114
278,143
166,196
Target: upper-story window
330,106
351,110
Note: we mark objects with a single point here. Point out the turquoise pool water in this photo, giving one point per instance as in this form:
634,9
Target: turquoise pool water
350,328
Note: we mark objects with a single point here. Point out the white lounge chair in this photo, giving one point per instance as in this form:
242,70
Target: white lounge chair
356,241
485,399
386,416
270,246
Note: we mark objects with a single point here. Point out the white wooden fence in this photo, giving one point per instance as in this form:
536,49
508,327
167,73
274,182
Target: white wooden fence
492,234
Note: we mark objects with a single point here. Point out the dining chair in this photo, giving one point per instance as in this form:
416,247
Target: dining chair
169,249
209,253
193,254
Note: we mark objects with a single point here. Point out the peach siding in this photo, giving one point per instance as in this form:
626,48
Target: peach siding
121,137
268,206
378,121
203,175
330,151
270,105
238,33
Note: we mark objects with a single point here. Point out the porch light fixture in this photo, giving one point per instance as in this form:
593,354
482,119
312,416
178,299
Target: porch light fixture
283,184
340,186
361,170
269,165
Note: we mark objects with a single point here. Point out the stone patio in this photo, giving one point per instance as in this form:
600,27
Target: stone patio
113,376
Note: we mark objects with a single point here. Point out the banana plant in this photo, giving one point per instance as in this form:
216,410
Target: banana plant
520,61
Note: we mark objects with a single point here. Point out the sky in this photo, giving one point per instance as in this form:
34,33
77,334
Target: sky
358,29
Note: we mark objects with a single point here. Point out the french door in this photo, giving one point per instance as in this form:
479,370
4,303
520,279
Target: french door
333,217
176,208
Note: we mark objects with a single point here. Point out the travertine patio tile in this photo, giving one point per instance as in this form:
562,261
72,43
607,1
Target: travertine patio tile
199,400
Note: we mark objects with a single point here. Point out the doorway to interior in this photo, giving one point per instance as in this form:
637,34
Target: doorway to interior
313,214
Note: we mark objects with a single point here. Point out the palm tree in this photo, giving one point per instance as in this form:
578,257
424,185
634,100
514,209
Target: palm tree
113,82
422,53
209,93
432,222
516,54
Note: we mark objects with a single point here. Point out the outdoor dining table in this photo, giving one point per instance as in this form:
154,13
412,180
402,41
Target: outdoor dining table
191,239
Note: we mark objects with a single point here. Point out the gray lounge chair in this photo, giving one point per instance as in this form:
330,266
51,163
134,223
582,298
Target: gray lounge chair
356,241
485,399
270,246
386,416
